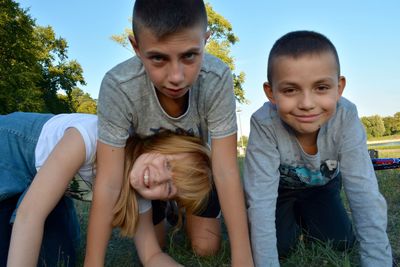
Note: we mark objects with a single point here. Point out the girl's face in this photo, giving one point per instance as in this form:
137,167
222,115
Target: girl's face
151,176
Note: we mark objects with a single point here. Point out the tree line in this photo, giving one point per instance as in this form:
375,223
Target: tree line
37,76
377,126
35,72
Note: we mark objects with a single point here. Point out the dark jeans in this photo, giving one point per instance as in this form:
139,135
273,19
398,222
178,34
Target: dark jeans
317,212
60,238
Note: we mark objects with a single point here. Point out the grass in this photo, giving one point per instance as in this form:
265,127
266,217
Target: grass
121,251
392,151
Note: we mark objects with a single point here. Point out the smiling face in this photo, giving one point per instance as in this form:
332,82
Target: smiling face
172,62
305,91
151,176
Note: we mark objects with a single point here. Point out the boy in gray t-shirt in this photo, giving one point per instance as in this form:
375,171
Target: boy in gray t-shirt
170,84
303,144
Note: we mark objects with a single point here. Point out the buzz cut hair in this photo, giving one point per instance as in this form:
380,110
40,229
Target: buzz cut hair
165,17
299,43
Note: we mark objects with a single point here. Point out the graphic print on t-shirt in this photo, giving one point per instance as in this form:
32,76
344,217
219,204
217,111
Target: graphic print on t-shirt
302,177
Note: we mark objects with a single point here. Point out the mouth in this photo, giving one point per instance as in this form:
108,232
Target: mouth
307,118
175,91
146,180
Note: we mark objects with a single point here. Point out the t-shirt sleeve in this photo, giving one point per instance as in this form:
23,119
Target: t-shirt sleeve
144,204
261,181
221,106
113,121
369,210
87,127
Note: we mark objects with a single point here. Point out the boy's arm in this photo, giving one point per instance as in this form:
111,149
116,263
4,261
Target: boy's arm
230,193
44,193
369,210
261,181
107,186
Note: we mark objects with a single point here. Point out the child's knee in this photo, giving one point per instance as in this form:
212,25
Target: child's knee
204,234
206,246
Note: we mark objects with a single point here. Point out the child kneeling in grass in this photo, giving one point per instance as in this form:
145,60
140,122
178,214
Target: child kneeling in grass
304,143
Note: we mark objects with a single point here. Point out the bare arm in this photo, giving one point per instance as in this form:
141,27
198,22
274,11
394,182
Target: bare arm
147,245
230,193
45,192
107,186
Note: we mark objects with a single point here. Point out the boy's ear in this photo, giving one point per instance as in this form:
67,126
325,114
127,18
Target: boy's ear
268,92
341,86
134,44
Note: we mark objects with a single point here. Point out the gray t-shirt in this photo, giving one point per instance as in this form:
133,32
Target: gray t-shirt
274,157
128,102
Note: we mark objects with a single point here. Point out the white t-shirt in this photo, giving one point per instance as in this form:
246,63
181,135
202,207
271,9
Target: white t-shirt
52,132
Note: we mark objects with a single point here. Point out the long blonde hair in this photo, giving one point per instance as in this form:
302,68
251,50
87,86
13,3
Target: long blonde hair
191,175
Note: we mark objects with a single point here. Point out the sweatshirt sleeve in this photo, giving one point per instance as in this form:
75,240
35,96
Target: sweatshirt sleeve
261,180
368,207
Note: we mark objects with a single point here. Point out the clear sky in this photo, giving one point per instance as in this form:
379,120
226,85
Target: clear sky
366,34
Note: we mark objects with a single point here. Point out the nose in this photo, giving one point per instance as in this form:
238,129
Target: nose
161,169
306,101
176,73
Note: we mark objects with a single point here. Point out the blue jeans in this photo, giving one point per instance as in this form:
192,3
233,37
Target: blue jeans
318,212
19,133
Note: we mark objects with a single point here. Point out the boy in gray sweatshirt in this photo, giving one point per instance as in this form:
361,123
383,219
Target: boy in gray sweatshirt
304,143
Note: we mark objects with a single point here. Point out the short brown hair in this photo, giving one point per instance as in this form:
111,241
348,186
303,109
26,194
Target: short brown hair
298,43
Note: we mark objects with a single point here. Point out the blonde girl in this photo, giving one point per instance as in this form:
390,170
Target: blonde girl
40,155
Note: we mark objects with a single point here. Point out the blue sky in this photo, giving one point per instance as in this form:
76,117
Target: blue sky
366,34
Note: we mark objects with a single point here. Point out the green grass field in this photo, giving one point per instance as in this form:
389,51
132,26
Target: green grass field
121,251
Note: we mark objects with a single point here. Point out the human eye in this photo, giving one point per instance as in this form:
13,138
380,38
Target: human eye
288,91
322,88
169,188
165,190
157,59
172,190
189,57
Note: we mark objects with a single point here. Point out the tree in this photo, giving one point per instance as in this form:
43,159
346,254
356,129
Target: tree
19,68
374,126
392,124
389,123
34,65
88,107
219,44
396,126
82,102
58,74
